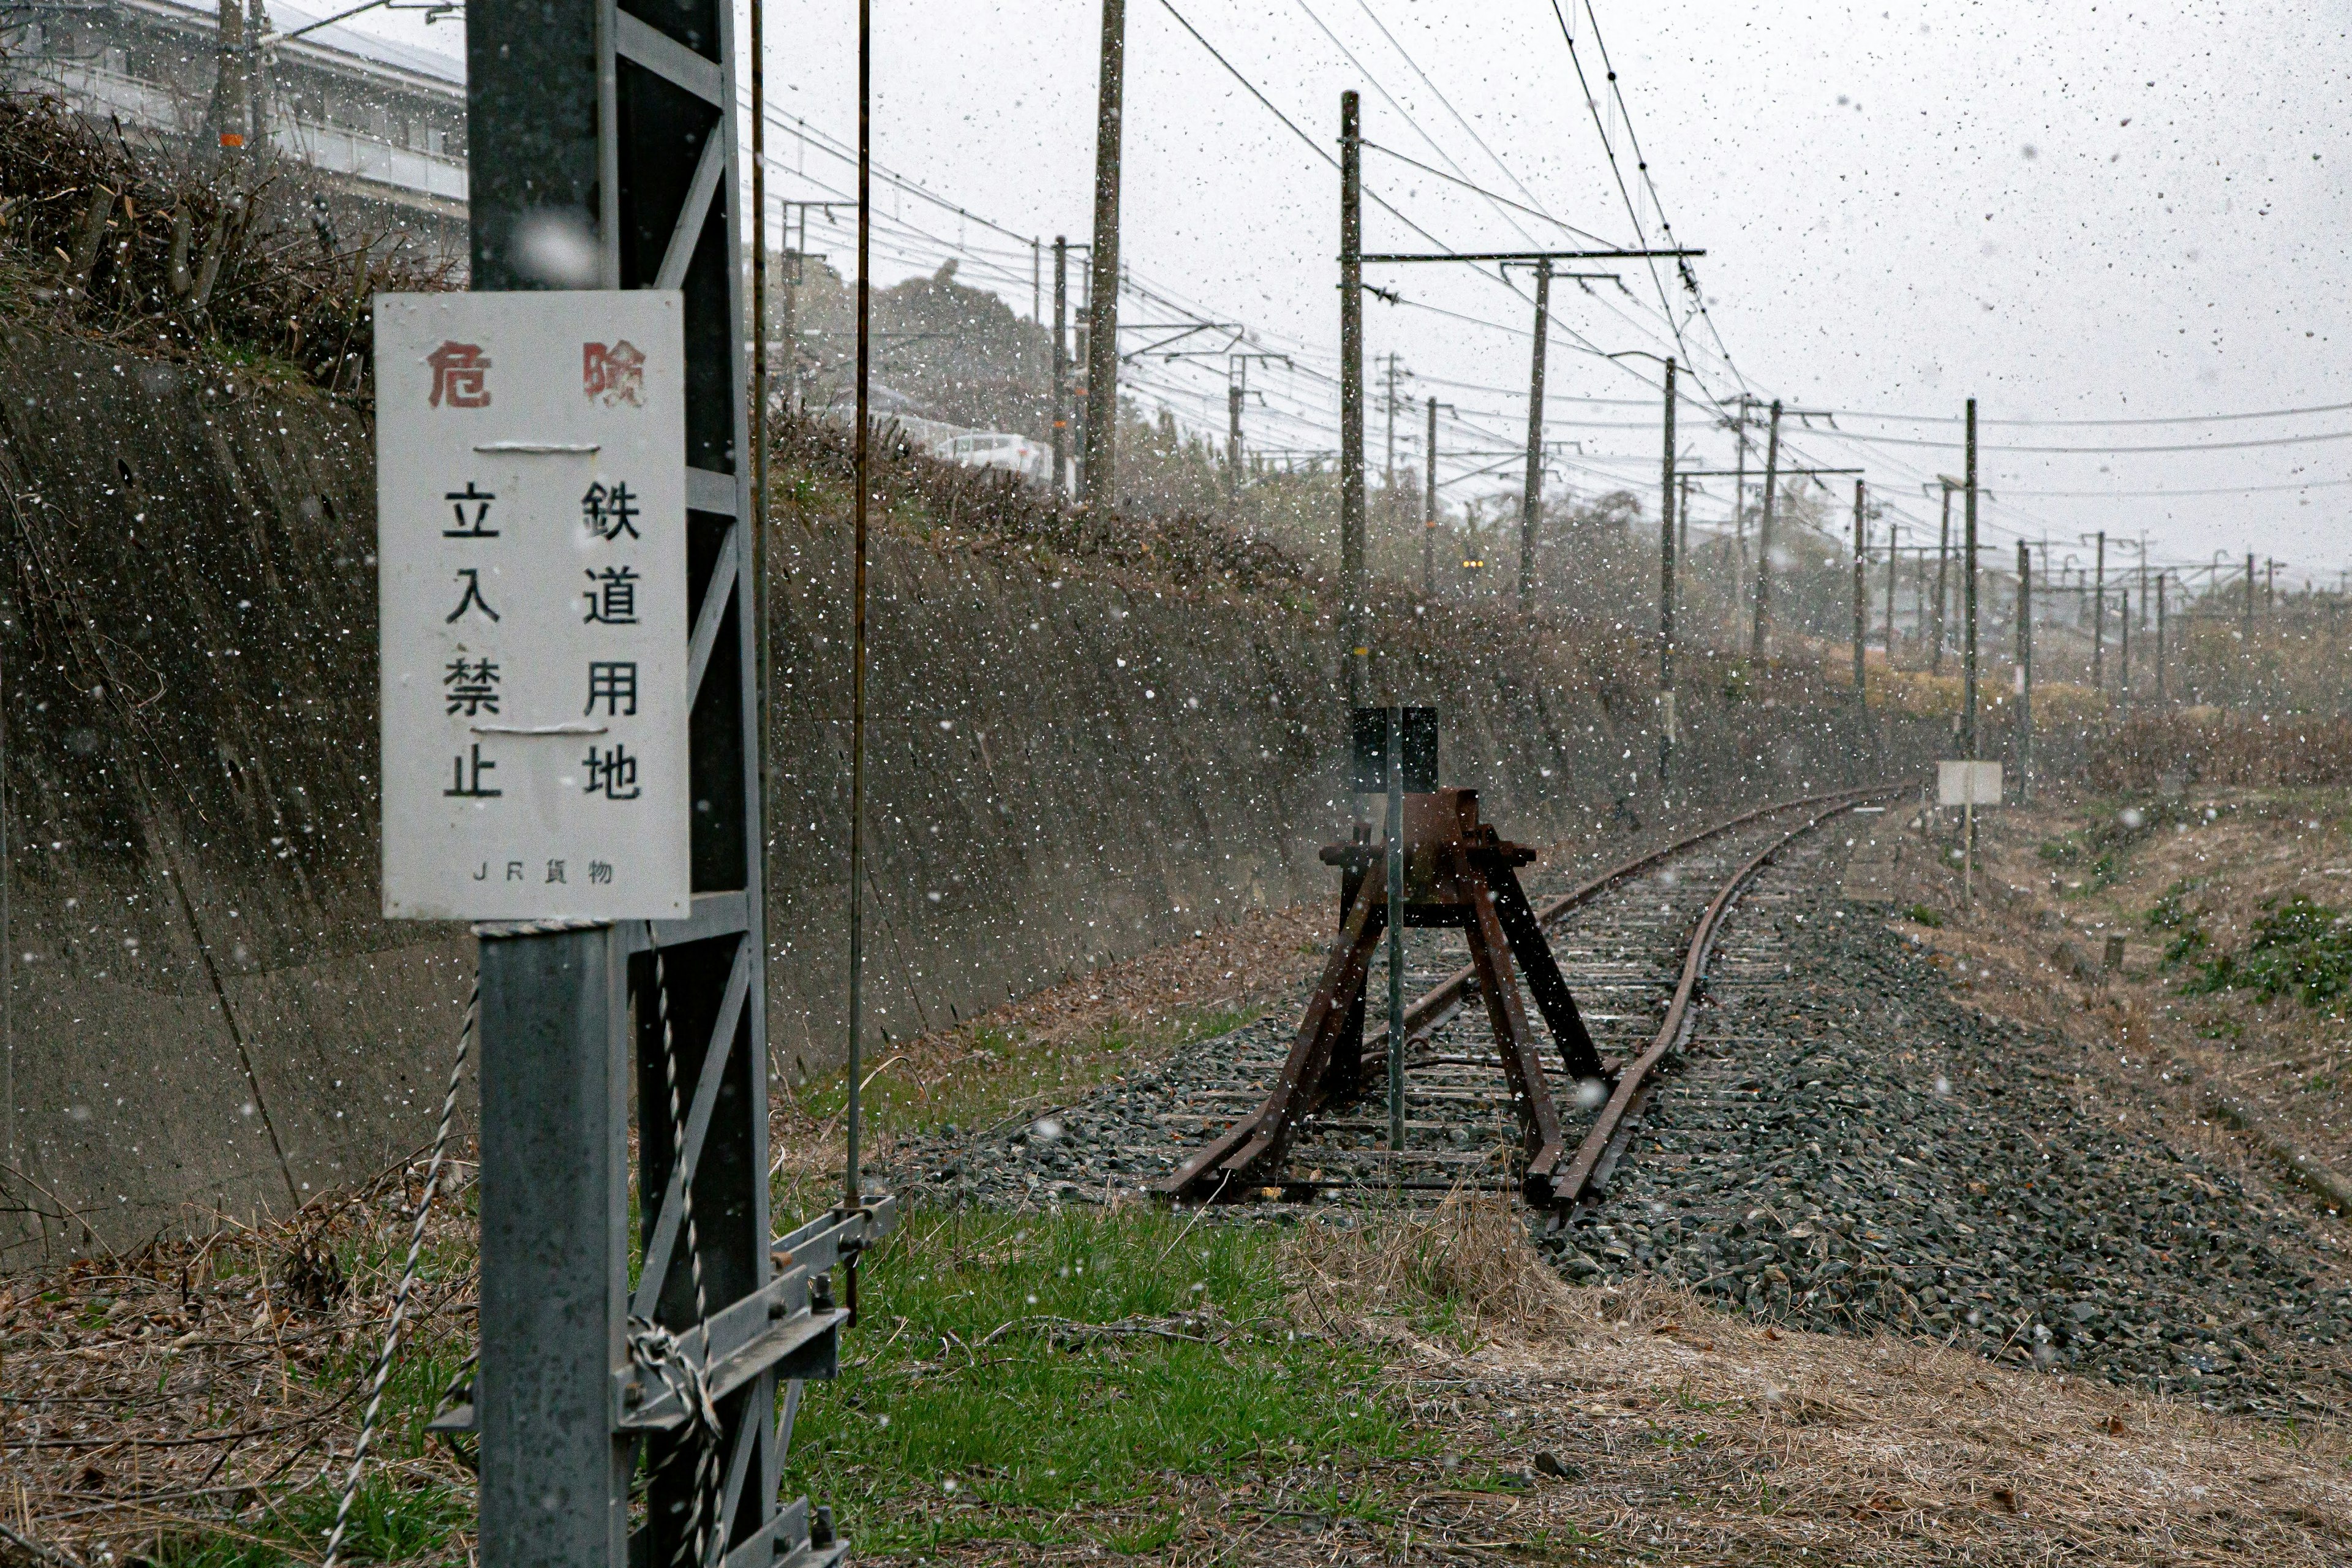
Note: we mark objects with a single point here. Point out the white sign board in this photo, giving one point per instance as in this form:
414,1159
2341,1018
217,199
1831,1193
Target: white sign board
1967,784
530,560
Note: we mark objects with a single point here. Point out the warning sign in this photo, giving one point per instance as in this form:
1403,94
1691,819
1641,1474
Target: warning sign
530,527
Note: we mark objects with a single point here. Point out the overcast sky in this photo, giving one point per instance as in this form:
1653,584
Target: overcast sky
2070,211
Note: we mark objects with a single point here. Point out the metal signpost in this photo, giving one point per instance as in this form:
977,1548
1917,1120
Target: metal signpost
1968,784
571,725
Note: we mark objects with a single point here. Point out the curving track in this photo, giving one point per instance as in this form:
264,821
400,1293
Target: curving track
1634,944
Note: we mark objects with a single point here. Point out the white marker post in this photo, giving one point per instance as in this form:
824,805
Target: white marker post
1965,785
531,538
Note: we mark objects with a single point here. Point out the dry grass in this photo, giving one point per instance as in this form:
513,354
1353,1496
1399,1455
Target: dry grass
2148,1056
2217,748
203,1396
1675,1433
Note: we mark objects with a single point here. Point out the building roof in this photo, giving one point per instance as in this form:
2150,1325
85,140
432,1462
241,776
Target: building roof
336,43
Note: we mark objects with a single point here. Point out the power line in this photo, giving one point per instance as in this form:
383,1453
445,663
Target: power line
2216,491
2172,419
2095,452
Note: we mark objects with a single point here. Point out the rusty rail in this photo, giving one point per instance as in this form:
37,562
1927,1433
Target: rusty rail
1634,1082
1436,1006
1262,1138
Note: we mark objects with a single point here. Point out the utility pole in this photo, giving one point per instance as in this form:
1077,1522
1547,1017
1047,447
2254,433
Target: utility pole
1532,494
1968,576
2249,606
2159,641
1861,594
1235,392
2099,616
1429,512
1943,595
1061,369
1666,592
2024,672
1894,549
1099,439
1352,629
2123,649
1764,534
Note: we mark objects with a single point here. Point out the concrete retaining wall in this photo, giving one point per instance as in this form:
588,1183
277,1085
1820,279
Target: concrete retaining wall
1070,763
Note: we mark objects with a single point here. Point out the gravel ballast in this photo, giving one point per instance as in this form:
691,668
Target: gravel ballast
1846,1145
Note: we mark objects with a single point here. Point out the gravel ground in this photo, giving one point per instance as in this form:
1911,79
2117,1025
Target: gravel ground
1849,1145
1846,1146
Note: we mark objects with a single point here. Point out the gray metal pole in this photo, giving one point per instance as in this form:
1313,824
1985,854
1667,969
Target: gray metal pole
1235,392
1428,518
2123,649
1098,476
567,1017
852,1190
1531,501
1061,410
2159,639
1667,594
2024,672
2099,619
1969,587
1764,534
1861,592
1894,549
1943,589
1354,632
1393,860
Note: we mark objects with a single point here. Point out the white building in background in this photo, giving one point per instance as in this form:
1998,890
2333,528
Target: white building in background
384,123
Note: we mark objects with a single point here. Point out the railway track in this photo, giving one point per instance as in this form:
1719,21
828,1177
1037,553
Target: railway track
1635,942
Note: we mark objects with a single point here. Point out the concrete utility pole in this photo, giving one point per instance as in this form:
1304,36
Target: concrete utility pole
1666,592
2123,648
1532,494
1969,575
2099,616
231,107
1764,534
2024,672
1893,551
1943,594
1352,629
1429,512
2159,639
1061,369
1098,440
1235,393
1861,592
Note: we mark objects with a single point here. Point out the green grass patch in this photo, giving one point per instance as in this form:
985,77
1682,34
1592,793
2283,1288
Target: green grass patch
2171,913
390,1523
971,1408
2298,948
1921,914
2101,849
